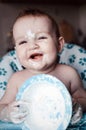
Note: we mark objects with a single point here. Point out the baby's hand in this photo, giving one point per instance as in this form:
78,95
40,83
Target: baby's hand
77,112
19,112
16,112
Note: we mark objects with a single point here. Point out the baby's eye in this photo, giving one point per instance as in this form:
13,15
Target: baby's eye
42,37
22,42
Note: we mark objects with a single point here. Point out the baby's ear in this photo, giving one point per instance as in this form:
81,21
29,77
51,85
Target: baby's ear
60,44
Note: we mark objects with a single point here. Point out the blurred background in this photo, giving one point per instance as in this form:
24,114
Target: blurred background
69,14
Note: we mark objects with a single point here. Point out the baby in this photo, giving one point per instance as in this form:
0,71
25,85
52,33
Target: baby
37,43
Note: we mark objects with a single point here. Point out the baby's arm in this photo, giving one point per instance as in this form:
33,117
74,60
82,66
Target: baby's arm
9,108
15,112
10,94
5,102
77,90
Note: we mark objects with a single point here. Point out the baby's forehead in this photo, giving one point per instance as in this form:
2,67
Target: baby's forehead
33,22
29,18
31,25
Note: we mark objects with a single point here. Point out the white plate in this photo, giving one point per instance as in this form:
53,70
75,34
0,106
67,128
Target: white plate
49,103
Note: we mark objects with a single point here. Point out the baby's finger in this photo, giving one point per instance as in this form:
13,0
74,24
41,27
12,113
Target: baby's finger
15,103
20,103
18,120
19,117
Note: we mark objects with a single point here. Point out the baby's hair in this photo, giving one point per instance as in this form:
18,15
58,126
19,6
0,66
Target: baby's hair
40,13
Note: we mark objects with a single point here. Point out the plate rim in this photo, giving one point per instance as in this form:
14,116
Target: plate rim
50,78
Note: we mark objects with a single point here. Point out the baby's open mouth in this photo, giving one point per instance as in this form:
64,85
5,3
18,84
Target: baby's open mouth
36,56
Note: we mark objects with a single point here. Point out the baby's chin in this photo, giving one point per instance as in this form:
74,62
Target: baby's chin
39,67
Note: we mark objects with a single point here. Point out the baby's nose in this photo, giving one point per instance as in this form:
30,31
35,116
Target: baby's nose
32,44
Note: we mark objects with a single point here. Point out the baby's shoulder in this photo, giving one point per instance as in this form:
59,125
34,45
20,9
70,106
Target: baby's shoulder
16,76
65,67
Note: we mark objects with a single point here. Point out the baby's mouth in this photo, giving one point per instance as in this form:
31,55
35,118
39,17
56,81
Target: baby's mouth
36,56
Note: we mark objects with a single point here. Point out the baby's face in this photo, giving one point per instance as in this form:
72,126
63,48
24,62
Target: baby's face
36,43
